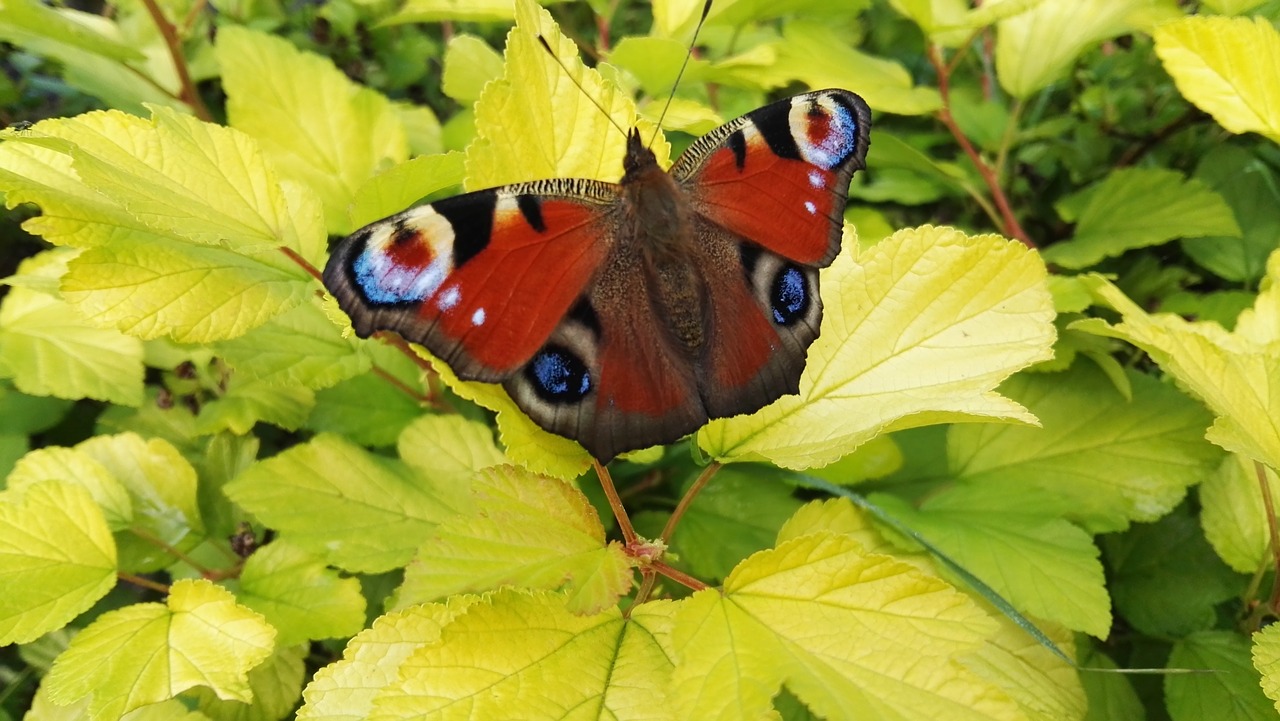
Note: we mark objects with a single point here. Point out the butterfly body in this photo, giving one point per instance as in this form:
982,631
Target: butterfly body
627,315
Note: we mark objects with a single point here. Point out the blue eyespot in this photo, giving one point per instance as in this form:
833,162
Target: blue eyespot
558,375
789,295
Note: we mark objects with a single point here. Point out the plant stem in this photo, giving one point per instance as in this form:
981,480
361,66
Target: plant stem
188,93
162,545
629,536
679,577
1268,504
401,386
143,582
292,254
1010,222
687,500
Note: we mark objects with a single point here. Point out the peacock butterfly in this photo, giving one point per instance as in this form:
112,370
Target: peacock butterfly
627,315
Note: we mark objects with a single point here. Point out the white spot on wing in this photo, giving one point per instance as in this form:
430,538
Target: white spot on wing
816,179
809,206
449,298
477,318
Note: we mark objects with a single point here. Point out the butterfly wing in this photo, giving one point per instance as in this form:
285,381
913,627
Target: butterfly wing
482,279
611,377
778,177
769,189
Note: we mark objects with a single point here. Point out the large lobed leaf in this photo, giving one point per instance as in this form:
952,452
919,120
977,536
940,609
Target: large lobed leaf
524,530
358,511
317,126
1136,208
182,222
919,330
149,652
56,558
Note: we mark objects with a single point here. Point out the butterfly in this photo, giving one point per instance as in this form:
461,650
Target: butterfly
627,315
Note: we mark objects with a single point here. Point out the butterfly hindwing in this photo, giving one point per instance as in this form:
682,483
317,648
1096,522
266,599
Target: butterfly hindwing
779,176
482,279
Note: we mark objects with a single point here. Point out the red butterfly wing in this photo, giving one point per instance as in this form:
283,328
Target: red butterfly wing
779,176
481,279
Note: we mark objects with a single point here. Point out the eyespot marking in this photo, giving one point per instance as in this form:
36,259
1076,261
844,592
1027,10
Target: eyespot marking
558,375
789,296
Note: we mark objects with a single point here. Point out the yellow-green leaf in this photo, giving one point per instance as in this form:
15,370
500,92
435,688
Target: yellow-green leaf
357,510
1136,208
536,122
299,347
404,185
54,463
521,530
1266,659
1100,459
149,652
1237,375
317,126
1229,691
276,685
448,449
424,11
1037,47
1045,566
187,179
344,690
1228,67
190,293
851,634
48,349
299,596
162,491
819,55
919,330
525,655
469,64
56,558
1233,514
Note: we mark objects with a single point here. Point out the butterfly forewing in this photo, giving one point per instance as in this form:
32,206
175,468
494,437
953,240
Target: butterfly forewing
779,176
482,279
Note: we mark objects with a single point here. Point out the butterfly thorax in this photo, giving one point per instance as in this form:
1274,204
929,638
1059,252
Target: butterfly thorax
657,220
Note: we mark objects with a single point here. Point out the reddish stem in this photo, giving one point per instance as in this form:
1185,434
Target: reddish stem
1268,505
1011,228
629,537
679,577
291,254
187,92
687,500
143,582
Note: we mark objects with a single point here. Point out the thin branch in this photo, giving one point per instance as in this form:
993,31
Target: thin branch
306,265
143,582
687,500
679,577
162,545
188,95
650,579
400,344
401,386
629,537
1010,222
1268,504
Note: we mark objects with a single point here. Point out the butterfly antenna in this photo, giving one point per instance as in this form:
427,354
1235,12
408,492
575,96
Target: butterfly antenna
546,46
706,10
